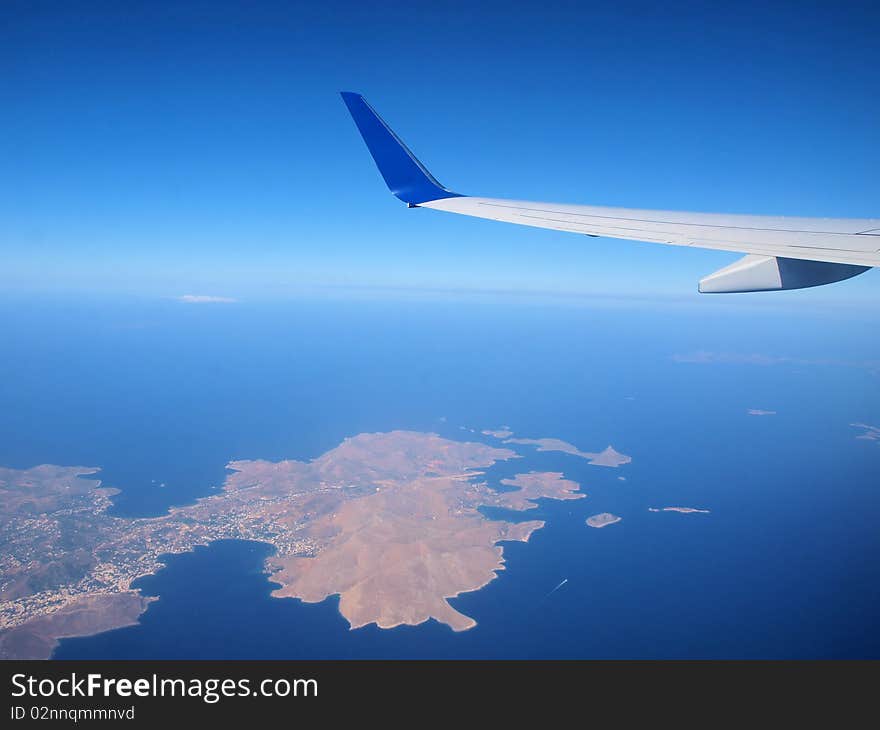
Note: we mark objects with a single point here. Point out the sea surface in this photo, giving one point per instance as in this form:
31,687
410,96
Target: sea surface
786,564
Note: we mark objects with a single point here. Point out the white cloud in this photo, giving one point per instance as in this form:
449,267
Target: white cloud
205,299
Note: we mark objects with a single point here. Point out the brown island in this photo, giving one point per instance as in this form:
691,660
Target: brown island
869,433
608,457
683,510
603,519
499,433
390,522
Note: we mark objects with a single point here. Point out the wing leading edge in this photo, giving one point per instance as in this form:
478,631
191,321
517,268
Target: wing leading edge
781,252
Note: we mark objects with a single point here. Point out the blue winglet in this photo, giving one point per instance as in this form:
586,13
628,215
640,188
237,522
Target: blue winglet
405,176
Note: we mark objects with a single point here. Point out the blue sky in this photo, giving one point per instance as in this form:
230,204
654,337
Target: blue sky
160,149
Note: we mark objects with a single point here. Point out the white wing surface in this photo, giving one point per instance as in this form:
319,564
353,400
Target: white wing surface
781,252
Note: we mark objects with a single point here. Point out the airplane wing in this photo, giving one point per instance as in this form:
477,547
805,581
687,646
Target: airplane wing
780,252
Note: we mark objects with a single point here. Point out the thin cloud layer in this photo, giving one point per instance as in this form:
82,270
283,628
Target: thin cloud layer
705,357
205,299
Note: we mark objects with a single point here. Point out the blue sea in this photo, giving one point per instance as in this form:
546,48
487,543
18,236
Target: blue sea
786,564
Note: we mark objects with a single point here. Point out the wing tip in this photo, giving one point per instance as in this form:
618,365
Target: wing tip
406,177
